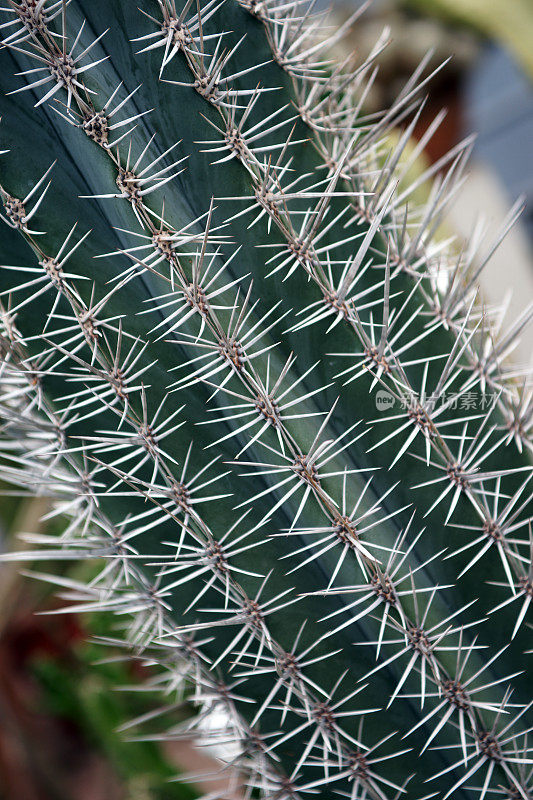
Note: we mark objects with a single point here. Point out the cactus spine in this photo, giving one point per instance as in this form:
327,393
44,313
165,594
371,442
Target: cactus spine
202,299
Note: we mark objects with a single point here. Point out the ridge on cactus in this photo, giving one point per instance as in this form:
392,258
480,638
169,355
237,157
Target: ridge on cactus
265,395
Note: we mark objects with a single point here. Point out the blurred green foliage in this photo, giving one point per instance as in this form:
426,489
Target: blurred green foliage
510,22
74,682
86,694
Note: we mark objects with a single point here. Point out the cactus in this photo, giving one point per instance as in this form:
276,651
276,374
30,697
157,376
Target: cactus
264,393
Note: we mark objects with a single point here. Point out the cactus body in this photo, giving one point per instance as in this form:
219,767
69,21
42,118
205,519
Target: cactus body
265,396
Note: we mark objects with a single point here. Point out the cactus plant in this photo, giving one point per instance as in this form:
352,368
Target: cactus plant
263,391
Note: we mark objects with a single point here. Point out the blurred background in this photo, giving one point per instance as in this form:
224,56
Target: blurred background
487,89
63,696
